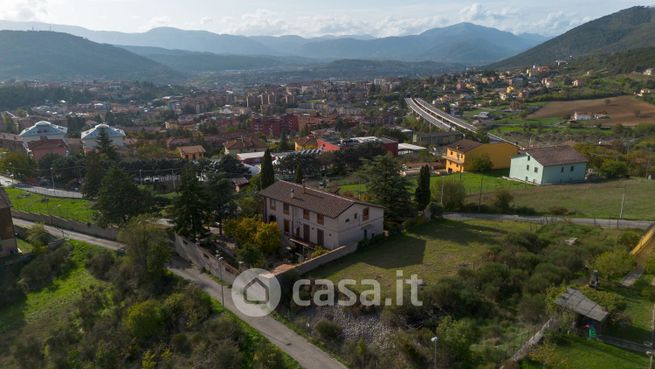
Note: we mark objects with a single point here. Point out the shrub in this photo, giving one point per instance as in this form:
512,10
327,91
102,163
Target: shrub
629,239
145,320
329,331
38,236
614,263
614,168
532,308
558,210
503,200
99,262
436,210
454,194
481,164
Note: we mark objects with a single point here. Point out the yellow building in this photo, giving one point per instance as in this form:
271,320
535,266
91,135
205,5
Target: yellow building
305,143
460,155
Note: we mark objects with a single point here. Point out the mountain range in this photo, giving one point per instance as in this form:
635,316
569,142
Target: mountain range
628,29
463,43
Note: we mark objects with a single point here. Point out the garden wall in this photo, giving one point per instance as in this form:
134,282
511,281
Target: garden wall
85,228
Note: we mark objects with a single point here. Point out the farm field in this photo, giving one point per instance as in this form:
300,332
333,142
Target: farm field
432,251
73,209
621,110
590,200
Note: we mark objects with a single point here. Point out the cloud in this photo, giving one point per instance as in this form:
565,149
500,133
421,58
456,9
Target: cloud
23,10
154,22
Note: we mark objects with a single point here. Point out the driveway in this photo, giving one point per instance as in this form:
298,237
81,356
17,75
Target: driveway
304,352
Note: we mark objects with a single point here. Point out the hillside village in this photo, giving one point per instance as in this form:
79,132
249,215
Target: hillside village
515,199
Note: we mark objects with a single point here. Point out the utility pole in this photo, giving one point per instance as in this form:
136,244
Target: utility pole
434,340
622,204
480,200
52,179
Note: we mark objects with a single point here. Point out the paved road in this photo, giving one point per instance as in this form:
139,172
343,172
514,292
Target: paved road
6,181
604,223
304,352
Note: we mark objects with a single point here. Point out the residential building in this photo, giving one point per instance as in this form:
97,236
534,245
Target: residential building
461,154
8,243
90,137
338,144
244,144
195,152
305,143
311,216
549,165
39,149
43,130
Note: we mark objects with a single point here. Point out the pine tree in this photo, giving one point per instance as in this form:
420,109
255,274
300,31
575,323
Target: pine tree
387,187
422,194
190,208
105,146
119,198
94,173
267,176
299,174
220,193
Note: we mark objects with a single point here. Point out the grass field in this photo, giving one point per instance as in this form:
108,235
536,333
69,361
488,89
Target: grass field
74,209
580,353
472,181
590,200
638,308
432,251
620,110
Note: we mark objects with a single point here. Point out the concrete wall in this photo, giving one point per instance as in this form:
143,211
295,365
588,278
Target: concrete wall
86,228
203,258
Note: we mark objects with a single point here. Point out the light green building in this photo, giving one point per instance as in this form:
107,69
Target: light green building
549,165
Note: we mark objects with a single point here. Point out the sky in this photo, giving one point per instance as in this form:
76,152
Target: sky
312,18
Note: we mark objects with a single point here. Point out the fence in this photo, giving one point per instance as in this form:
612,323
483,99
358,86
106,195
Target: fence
204,258
70,225
311,264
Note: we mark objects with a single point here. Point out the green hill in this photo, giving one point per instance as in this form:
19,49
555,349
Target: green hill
625,30
635,60
60,56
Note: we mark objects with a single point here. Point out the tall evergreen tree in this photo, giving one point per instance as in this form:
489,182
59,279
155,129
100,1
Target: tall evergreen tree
284,142
387,187
267,176
106,147
94,173
422,194
221,196
299,174
119,198
190,208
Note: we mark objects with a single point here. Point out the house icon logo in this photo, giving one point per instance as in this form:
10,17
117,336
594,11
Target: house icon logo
256,292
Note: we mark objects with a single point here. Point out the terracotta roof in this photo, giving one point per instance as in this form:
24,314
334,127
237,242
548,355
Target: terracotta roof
197,149
46,144
556,155
320,202
4,199
302,141
245,143
464,145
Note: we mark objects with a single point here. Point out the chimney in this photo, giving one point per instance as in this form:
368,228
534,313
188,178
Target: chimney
292,193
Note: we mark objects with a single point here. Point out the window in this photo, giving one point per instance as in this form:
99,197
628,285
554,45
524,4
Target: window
572,168
355,216
528,157
286,208
305,214
536,170
562,171
527,167
365,214
319,218
286,226
272,202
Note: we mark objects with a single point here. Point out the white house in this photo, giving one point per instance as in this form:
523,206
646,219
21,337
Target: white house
311,216
90,137
43,130
549,165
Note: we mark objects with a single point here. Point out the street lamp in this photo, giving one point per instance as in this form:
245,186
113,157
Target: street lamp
220,273
434,340
650,355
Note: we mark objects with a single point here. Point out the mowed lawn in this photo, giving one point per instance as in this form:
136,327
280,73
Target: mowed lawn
473,182
432,251
73,209
591,200
580,353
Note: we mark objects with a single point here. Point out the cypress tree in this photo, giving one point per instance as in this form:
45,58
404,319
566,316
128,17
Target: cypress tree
422,194
267,175
299,174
